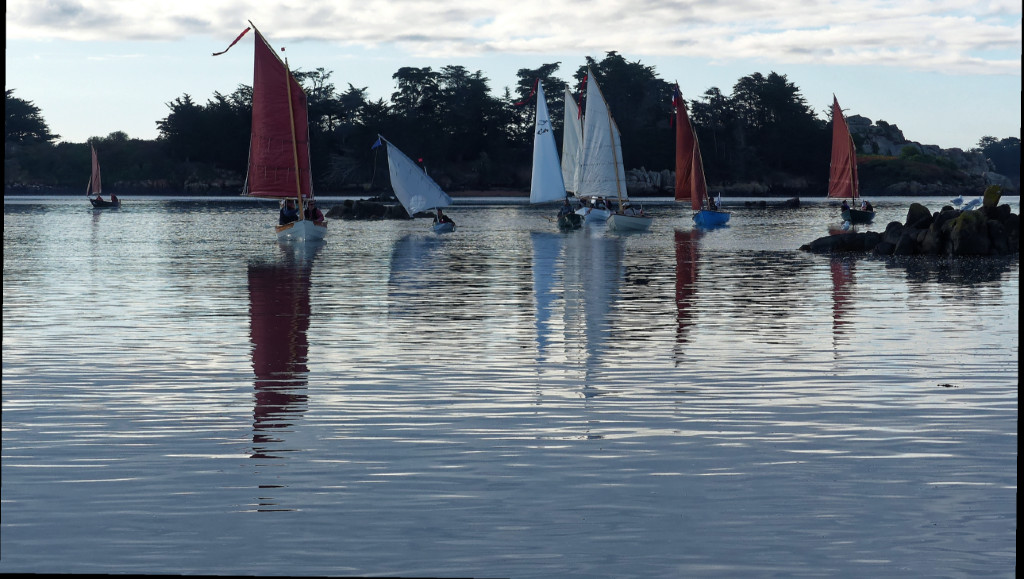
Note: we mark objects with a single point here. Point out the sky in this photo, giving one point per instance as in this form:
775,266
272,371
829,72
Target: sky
946,72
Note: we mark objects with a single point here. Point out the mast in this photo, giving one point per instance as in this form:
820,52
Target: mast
295,141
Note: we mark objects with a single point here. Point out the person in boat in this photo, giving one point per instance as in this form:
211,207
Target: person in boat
566,208
865,206
845,207
627,209
442,218
99,198
113,198
289,212
313,212
718,202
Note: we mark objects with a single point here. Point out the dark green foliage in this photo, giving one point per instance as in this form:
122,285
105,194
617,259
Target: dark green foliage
468,138
23,122
1004,154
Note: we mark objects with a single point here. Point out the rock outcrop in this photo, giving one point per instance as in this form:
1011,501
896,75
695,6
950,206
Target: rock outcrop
368,209
992,229
881,138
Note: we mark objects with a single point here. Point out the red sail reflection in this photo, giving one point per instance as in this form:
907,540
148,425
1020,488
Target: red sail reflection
842,282
279,310
687,246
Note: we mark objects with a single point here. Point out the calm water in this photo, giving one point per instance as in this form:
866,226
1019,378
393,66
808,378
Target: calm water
182,394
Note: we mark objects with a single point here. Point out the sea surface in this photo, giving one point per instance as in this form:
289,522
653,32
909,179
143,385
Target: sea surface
182,394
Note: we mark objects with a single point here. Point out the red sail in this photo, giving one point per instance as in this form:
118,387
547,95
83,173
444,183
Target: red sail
690,182
280,138
95,186
842,178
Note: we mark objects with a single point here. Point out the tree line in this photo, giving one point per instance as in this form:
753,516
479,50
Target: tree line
764,131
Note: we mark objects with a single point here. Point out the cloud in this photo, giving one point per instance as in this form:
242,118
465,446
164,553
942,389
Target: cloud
954,36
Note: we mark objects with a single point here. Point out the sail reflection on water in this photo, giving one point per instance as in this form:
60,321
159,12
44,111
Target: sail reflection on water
687,253
279,307
416,282
841,269
576,280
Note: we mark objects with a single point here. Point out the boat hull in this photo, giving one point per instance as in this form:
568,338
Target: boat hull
447,227
858,216
97,204
594,215
570,221
710,218
304,230
620,222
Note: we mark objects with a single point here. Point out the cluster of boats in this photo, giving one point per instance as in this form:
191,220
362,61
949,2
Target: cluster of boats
590,170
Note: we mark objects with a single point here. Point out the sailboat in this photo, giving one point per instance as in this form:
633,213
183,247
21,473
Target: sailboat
279,143
842,178
691,184
546,184
415,190
95,187
593,208
602,174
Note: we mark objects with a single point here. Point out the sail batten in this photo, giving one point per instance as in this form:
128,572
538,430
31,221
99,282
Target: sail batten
279,145
546,184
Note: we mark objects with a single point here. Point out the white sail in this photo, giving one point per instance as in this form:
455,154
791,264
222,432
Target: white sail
413,187
572,141
601,172
547,184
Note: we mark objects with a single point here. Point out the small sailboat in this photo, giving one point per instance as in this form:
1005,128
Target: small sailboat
842,178
279,143
691,185
602,174
593,209
546,184
415,190
95,187
572,157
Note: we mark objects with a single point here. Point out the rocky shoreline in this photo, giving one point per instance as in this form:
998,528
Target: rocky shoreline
990,230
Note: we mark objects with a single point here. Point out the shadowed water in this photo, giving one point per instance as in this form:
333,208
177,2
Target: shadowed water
183,394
